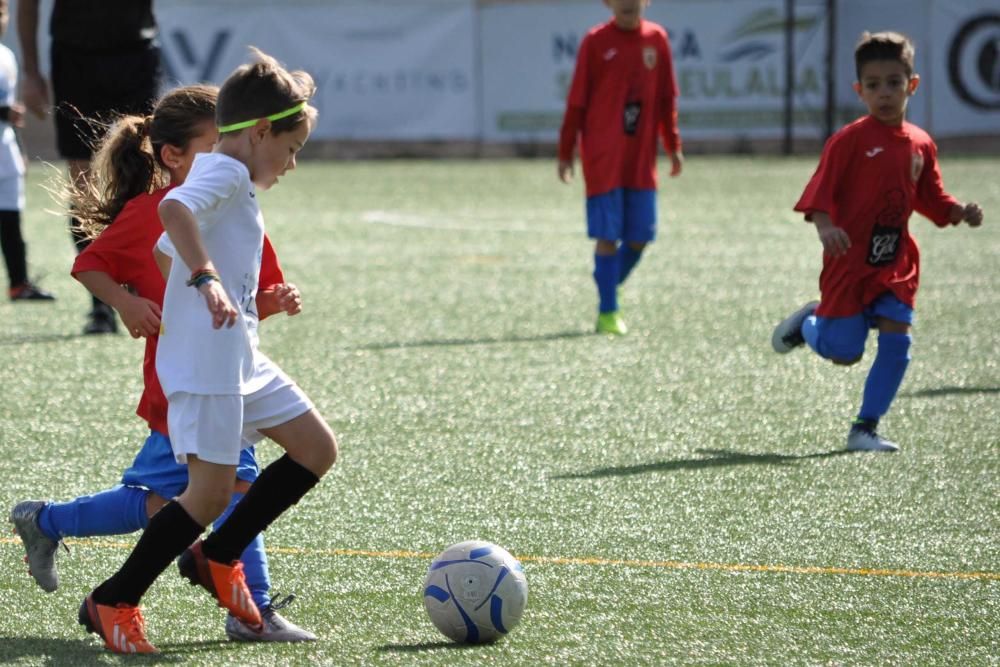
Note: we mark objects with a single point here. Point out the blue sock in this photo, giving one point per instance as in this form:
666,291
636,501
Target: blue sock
254,560
628,257
606,277
885,375
119,510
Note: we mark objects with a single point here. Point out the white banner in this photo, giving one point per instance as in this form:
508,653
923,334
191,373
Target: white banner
728,56
966,67
389,70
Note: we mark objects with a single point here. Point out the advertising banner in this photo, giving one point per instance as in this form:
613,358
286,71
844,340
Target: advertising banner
389,70
966,68
728,56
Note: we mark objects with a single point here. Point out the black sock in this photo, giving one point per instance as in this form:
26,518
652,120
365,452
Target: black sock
12,245
169,533
281,485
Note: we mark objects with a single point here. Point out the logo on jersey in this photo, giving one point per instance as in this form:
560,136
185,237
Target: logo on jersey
610,53
649,57
875,151
916,166
887,230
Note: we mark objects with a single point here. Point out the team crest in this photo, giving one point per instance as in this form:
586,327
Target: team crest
916,166
649,57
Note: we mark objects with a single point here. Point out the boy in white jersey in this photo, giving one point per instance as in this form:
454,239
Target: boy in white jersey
221,389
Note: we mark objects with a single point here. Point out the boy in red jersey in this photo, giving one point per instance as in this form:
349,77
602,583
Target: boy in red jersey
622,96
871,177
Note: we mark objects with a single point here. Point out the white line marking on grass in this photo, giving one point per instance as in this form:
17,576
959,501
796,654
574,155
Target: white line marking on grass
414,221
608,562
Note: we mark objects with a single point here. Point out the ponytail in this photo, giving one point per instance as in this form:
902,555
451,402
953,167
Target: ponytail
124,167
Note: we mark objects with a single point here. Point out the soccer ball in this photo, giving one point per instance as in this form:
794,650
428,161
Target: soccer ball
475,592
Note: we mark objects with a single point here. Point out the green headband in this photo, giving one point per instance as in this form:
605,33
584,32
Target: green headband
273,117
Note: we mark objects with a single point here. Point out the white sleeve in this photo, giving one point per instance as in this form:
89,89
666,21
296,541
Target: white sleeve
210,182
166,246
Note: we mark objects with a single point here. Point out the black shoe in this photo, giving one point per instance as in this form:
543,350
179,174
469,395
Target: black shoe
101,320
28,291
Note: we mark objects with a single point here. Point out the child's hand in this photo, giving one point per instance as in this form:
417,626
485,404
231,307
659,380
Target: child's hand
676,163
972,214
565,170
140,316
289,298
834,239
218,304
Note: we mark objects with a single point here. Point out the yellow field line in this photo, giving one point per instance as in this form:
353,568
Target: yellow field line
665,564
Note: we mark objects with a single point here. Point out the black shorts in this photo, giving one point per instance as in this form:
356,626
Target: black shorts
92,89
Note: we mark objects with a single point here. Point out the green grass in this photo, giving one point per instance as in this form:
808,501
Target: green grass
446,337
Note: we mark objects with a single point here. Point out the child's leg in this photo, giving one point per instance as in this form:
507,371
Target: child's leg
12,245
893,318
629,255
170,532
115,511
606,273
311,450
639,228
605,224
839,339
887,371
254,560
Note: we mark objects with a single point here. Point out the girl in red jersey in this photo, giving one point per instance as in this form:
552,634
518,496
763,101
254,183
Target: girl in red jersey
871,177
623,95
138,157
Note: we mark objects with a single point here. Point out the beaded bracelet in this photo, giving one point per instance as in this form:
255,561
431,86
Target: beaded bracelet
199,278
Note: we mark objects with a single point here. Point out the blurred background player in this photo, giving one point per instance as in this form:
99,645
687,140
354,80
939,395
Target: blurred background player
872,175
138,157
105,61
623,95
12,244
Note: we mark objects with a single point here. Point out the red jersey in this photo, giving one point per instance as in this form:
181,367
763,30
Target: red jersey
623,93
870,179
124,251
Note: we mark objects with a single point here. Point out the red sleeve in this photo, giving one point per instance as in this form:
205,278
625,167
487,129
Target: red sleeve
821,191
932,201
270,276
668,89
114,251
576,102
572,122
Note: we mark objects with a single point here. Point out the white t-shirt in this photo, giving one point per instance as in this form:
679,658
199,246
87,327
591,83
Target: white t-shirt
11,162
192,356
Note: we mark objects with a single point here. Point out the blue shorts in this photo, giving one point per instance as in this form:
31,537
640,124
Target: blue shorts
622,215
156,469
844,337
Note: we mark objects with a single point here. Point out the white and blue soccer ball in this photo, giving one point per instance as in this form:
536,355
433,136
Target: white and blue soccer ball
475,592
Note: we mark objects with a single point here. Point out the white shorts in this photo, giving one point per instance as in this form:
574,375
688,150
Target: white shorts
216,427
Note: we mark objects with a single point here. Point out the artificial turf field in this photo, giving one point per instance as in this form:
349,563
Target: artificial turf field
677,496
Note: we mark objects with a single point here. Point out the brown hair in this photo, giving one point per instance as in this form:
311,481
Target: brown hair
884,46
262,88
128,161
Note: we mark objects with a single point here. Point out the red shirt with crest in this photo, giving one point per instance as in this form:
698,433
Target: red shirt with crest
870,179
124,251
623,94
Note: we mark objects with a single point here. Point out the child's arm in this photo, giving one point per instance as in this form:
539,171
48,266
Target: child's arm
163,261
182,228
572,122
835,240
667,122
283,298
141,316
970,213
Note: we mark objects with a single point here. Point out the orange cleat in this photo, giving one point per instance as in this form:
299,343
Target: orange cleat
226,583
121,627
